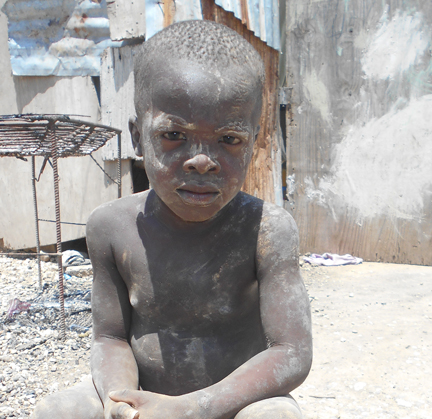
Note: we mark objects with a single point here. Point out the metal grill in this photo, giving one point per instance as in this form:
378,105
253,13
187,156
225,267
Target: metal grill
32,135
53,136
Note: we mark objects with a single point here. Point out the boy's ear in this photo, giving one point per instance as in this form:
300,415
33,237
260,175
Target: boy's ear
258,128
135,136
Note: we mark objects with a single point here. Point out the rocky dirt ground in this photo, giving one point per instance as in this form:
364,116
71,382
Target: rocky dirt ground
33,361
372,342
372,339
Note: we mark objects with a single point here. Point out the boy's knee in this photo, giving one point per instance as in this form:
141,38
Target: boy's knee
274,408
47,408
79,402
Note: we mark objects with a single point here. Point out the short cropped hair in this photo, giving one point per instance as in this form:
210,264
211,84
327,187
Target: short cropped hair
201,41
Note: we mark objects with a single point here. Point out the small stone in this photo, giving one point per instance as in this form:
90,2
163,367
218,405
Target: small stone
403,403
44,258
359,386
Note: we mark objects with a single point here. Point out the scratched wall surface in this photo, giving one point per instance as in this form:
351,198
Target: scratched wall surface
360,151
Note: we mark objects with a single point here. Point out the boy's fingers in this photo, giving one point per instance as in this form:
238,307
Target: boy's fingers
124,411
126,396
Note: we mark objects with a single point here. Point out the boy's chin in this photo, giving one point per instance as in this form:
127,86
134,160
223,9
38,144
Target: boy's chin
196,214
193,208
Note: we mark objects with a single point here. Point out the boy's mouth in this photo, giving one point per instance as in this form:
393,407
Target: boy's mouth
198,195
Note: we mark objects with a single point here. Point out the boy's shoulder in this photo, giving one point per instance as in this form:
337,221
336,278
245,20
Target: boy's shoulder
272,216
118,210
278,236
277,230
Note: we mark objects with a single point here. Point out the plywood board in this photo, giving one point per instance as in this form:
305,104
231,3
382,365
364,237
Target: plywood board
126,19
359,151
117,98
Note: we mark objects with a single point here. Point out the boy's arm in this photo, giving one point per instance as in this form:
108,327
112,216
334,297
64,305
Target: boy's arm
285,314
113,365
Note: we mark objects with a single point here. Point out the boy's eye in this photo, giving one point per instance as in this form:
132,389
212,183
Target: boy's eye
227,139
174,136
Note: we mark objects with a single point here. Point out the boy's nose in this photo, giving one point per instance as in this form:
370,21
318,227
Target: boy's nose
201,164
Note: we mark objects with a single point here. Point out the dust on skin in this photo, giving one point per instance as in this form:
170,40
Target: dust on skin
205,317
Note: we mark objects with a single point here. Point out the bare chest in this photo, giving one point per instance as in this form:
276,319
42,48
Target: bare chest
190,285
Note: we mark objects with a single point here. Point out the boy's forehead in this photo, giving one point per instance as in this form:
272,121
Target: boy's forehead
180,84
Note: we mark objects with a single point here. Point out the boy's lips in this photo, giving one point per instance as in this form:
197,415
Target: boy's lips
201,195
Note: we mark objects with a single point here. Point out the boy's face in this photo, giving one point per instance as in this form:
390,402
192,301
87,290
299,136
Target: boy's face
197,136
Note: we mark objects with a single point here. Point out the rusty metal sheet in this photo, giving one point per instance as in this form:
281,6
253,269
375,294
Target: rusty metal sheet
57,37
260,16
160,14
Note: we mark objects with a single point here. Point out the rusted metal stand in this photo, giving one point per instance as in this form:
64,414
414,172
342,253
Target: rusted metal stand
119,182
52,136
36,221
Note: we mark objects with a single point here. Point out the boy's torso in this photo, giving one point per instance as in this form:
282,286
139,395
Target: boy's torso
193,293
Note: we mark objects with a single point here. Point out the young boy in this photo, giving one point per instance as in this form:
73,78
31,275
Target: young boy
199,310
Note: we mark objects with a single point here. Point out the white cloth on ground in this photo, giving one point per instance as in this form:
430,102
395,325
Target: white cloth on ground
332,259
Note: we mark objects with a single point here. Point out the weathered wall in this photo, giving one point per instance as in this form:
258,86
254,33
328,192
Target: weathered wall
360,149
83,186
117,98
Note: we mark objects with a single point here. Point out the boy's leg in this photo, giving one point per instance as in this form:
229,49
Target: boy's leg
78,402
274,408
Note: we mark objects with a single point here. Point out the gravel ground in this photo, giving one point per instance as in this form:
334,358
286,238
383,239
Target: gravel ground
33,361
372,339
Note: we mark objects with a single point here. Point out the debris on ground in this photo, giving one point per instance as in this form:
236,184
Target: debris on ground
371,329
33,361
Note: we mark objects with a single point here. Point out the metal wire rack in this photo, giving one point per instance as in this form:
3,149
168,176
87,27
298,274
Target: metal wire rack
32,135
53,136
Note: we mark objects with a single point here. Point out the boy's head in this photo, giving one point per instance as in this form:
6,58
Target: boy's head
198,97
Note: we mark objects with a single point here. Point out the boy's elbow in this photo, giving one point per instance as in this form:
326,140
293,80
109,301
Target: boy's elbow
305,368
306,359
300,367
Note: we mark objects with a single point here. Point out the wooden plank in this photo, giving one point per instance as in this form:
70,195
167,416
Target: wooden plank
127,19
264,179
359,149
117,98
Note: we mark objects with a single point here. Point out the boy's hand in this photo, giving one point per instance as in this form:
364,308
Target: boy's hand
155,406
113,410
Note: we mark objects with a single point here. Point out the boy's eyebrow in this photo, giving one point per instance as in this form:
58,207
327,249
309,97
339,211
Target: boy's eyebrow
178,120
238,127
173,119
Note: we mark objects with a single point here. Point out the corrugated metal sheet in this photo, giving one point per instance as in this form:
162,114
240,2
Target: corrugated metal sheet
57,37
260,16
67,37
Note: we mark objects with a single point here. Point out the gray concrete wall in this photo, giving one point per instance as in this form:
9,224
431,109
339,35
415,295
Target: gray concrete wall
360,149
83,186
